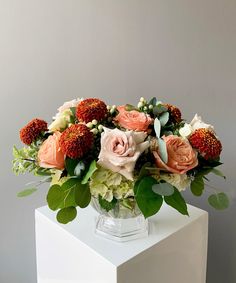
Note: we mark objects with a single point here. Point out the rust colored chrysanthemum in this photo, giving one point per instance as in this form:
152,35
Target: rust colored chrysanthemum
76,141
91,109
206,143
32,130
175,114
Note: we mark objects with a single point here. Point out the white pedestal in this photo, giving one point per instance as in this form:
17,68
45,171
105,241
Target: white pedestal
174,251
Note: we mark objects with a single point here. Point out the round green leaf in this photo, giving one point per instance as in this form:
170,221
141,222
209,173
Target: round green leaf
148,201
26,192
197,186
55,197
163,189
66,215
82,195
219,201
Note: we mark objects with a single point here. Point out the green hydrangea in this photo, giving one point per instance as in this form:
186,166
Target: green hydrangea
109,184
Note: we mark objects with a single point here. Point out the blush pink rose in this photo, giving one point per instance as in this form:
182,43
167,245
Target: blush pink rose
181,156
133,120
120,150
50,154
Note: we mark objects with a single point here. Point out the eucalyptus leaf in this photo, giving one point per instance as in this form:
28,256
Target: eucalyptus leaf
197,186
66,215
218,172
55,197
163,150
153,101
177,201
157,127
82,195
91,170
164,118
219,201
163,189
26,192
148,201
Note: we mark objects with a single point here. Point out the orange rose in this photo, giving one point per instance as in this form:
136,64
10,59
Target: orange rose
50,154
133,120
181,156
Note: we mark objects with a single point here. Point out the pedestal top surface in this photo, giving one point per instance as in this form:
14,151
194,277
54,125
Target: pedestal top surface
165,223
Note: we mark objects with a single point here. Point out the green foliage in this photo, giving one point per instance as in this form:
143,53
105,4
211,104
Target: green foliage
177,201
163,189
106,204
82,195
66,215
70,165
55,197
218,172
129,107
158,109
219,201
153,101
143,171
70,193
26,192
92,168
157,127
162,150
25,160
164,118
148,201
197,186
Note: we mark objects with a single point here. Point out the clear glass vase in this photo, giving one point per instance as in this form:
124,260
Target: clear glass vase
120,223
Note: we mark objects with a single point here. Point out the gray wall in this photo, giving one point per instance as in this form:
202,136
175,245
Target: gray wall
182,51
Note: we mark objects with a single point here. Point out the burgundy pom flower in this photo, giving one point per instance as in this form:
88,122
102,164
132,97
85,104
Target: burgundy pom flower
32,130
76,141
206,143
175,113
91,109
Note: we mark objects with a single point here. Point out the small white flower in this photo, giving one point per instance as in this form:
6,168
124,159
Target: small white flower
94,122
140,104
94,131
89,125
186,130
100,128
150,107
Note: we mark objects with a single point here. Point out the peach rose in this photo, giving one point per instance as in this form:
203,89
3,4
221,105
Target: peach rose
181,156
120,150
133,120
50,154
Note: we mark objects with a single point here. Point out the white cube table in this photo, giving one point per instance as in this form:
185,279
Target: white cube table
175,250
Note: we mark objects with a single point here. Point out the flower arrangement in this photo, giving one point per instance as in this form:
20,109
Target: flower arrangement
129,155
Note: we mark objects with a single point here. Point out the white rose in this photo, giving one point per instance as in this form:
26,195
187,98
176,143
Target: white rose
186,130
180,181
120,150
61,121
69,104
197,123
